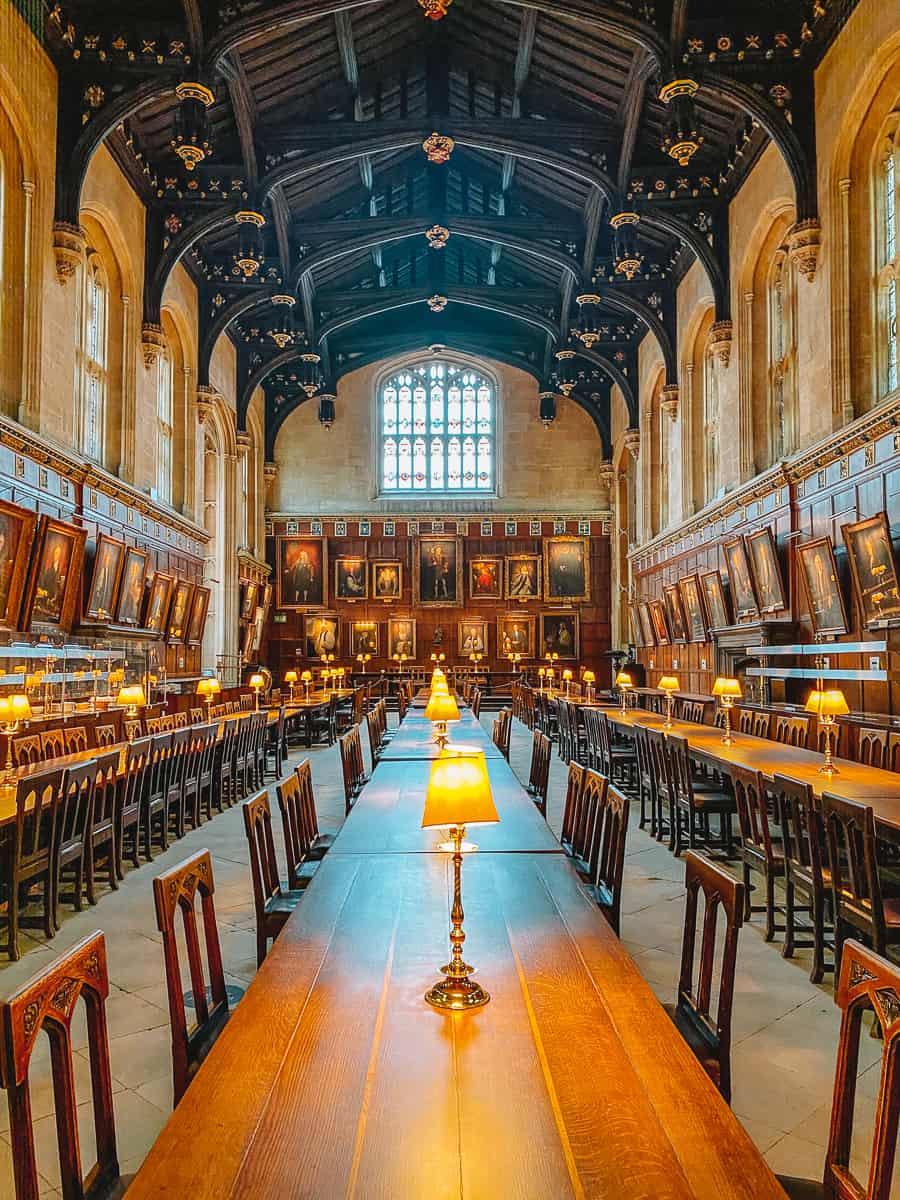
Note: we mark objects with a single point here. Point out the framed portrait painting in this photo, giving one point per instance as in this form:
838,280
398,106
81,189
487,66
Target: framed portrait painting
714,596
559,634
320,634
248,600
158,601
362,638
522,576
131,587
675,613
567,568
101,600
248,638
660,624
648,634
17,529
180,610
743,597
486,578
515,635
870,553
692,604
817,569
766,571
301,572
402,637
351,579
197,621
52,593
472,637
387,579
437,570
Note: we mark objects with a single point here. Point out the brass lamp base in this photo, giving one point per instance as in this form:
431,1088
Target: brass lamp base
457,993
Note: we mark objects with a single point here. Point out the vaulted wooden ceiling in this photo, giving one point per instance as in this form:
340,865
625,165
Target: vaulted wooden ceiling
319,111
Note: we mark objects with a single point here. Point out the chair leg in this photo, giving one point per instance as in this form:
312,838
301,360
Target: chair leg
747,889
787,950
770,907
89,875
817,909
12,919
262,943
48,908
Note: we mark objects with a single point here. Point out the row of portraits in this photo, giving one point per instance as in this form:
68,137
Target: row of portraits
557,633
440,575
42,566
697,604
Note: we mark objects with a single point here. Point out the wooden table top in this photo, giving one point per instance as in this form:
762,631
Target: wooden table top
413,739
387,815
351,1086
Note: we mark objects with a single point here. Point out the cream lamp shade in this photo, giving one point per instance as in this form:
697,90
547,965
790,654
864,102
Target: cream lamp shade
441,707
829,703
567,674
459,790
132,696
588,676
439,689
726,686
208,687
669,683
14,708
306,677
257,681
290,677
623,679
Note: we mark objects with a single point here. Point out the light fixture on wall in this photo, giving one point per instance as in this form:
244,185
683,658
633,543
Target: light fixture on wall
326,409
565,371
249,256
282,332
587,331
190,140
682,138
311,381
547,402
626,260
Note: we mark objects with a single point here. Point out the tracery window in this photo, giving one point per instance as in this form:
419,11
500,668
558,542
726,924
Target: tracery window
93,359
888,261
437,430
782,358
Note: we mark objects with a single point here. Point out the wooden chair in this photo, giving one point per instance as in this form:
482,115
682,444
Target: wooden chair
105,735
29,858
274,745
871,746
273,904
352,767
131,804
616,762
476,703
572,806
243,755
225,789
27,750
563,739
102,835
198,716
153,725
695,801
154,812
645,780
608,852
323,723
709,1037
133,730
173,891
501,731
807,874
745,720
297,841
855,882
691,710
759,851
53,743
72,832
48,1002
539,772
373,724
178,763
180,720
662,819
199,777
585,839
245,701
75,739
791,731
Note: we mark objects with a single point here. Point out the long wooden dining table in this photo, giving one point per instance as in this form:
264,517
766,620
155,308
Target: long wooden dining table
334,1078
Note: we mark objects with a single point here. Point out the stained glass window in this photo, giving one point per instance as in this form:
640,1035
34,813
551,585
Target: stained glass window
93,359
437,430
888,261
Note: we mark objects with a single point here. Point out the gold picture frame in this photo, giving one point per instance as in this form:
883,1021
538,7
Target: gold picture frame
567,569
523,577
438,571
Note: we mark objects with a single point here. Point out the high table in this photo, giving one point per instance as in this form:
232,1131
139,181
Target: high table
334,1077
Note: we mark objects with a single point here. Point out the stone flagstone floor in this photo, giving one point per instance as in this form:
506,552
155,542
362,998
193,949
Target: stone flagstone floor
785,1028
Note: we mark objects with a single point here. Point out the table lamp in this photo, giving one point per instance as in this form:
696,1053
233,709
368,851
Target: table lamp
459,794
306,680
132,698
623,683
728,690
440,709
290,678
208,687
13,710
669,684
567,679
257,682
828,706
363,658
589,679
541,674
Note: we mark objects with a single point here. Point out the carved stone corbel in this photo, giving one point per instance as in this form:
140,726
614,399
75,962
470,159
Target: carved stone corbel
720,336
153,341
607,474
69,243
804,240
243,440
270,477
668,401
631,440
206,398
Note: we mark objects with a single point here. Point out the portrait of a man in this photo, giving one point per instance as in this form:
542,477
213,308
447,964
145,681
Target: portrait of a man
818,570
567,568
871,556
438,565
321,634
402,637
559,634
485,578
351,579
10,535
199,609
53,573
515,635
131,592
179,614
107,561
472,637
523,577
714,595
677,622
648,635
693,608
158,602
302,571
766,571
387,579
742,594
363,638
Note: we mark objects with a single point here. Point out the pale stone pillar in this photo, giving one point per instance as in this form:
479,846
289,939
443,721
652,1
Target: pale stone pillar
187,424
687,441
842,408
229,558
244,442
128,433
29,402
747,461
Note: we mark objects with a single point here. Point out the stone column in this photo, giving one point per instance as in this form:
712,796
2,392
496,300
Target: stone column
747,462
229,557
188,452
128,433
29,403
244,442
687,441
842,408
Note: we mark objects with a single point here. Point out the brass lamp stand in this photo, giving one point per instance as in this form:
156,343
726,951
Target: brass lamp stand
457,991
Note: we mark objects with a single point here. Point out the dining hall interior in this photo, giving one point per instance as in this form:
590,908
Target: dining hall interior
449,604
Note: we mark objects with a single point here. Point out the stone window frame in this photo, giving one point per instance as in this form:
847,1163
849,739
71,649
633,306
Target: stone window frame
92,358
886,172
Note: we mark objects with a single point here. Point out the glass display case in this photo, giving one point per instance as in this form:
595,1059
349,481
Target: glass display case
66,678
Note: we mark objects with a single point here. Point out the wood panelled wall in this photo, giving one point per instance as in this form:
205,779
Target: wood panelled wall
855,474
283,640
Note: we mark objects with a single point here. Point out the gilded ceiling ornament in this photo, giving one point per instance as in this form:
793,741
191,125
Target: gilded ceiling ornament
249,256
683,138
437,236
587,332
191,140
437,303
435,10
438,147
566,371
282,332
627,260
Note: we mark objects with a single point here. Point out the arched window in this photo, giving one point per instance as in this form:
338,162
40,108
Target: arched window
437,430
781,357
93,359
165,425
887,181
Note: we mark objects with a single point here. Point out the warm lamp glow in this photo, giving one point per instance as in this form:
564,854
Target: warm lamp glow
14,708
290,677
257,681
669,683
623,679
306,677
726,686
459,791
441,707
830,703
589,676
209,686
132,698
567,675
